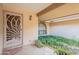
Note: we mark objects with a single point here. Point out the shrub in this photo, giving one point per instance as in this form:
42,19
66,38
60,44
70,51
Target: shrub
39,44
63,51
58,43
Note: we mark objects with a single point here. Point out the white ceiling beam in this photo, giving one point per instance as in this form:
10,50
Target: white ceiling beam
65,18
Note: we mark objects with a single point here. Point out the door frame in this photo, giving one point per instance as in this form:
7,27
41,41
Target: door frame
5,11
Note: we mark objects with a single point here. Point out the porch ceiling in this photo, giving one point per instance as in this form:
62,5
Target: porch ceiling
36,7
64,10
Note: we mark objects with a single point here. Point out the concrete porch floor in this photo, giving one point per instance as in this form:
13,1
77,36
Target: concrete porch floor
33,50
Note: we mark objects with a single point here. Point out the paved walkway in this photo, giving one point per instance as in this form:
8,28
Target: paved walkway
33,50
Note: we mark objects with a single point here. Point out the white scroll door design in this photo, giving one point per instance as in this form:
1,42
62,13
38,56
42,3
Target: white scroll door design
12,30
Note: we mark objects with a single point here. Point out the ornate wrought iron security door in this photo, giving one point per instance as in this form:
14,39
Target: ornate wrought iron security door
12,30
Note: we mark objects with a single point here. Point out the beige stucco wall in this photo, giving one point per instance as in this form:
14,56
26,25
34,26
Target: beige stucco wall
30,28
1,29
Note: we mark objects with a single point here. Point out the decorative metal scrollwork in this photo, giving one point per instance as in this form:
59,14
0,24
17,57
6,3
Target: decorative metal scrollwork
13,27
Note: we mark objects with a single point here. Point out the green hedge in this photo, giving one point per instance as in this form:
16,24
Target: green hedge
58,43
58,40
